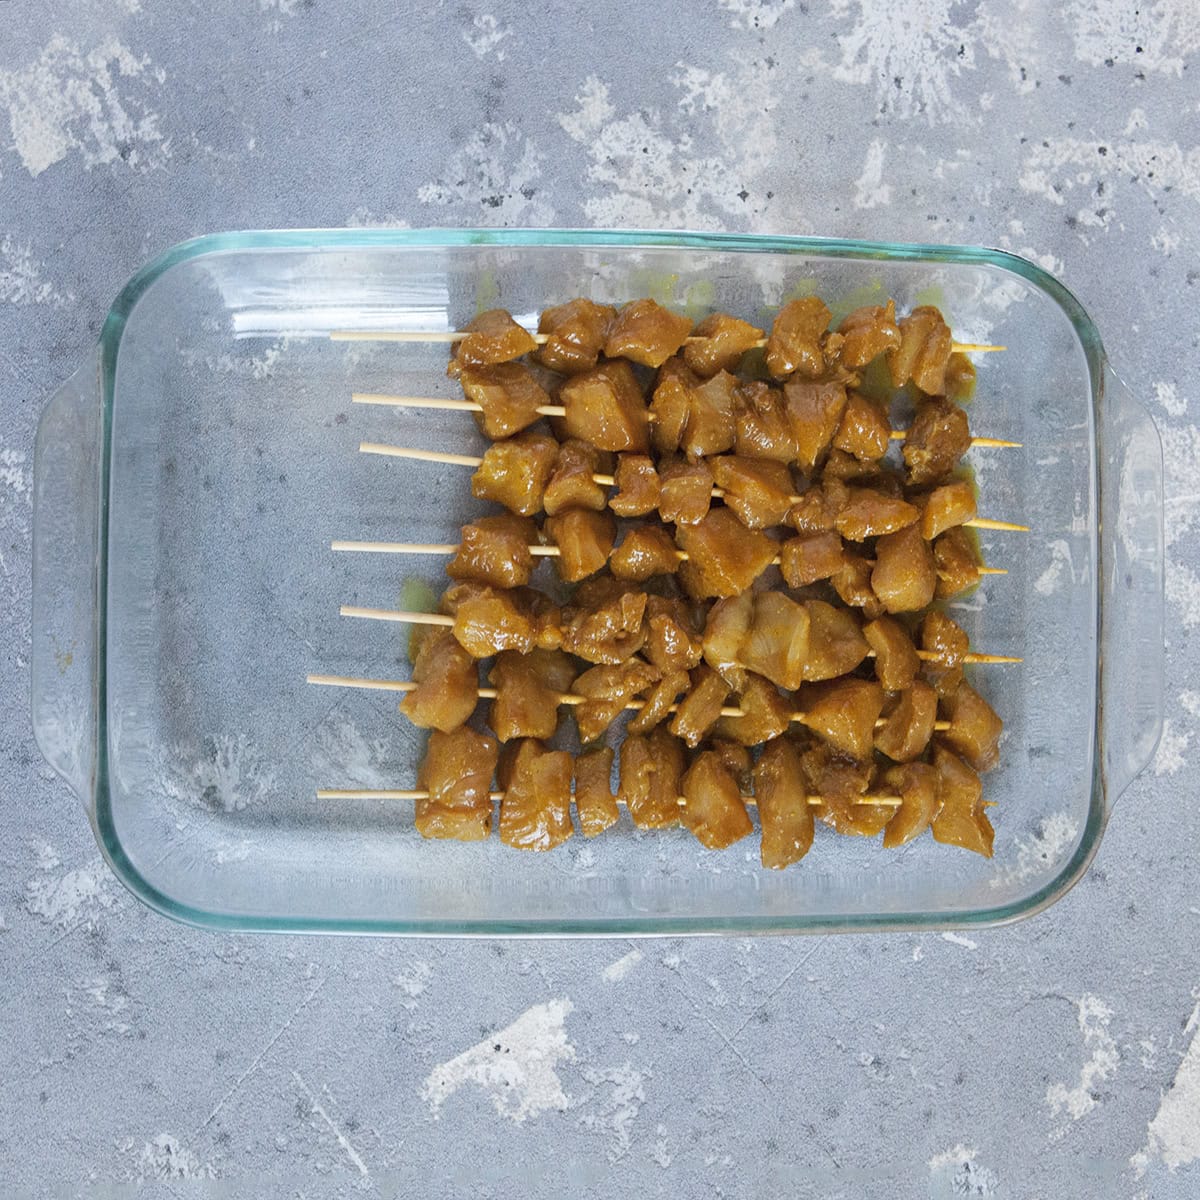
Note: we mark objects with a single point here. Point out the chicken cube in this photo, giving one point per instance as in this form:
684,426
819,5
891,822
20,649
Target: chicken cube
575,335
515,471
768,713
903,578
671,404
917,786
725,340
491,621
814,411
701,707
870,513
835,642
672,638
659,701
724,557
896,661
975,729
906,730
810,557
852,582
794,344
816,508
605,407
607,689
923,352
956,560
776,645
572,482
961,820
637,486
686,491
496,551
737,760
843,712
457,774
507,393
713,810
710,424
946,507
644,552
784,814
948,643
646,333
867,333
594,801
864,429
761,425
609,632
726,630
584,540
651,769
493,337
535,813
529,689
758,491
938,437
447,682
840,782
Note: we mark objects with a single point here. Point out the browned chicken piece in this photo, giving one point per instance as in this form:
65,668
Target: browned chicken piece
575,335
724,557
672,637
960,378
917,786
936,440
447,682
906,731
492,621
810,557
609,632
584,540
947,507
514,472
714,810
903,577
608,689
457,773
784,814
761,425
686,491
840,780
852,582
896,661
529,689
956,560
496,551
794,344
870,513
868,332
605,406
814,411
710,425
493,337
817,507
843,712
941,636
699,710
726,630
975,729
645,551
671,404
659,699
759,491
924,351
637,486
737,760
595,804
835,642
651,769
961,820
535,813
768,714
863,430
726,339
508,394
845,468
646,333
777,644
572,483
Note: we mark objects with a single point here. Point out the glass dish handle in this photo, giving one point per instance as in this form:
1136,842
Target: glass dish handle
66,558
1131,586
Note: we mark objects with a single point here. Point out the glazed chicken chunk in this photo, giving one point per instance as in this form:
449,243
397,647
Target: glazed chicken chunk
575,335
447,682
493,337
605,407
535,813
457,773
645,332
515,471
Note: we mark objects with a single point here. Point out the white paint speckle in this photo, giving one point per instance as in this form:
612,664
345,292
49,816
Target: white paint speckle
1153,36
514,1067
165,1157
225,773
1168,398
755,14
957,939
93,102
616,971
79,895
21,280
1094,1017
660,1152
615,1112
486,36
1172,749
958,1171
1174,1134
1051,579
1055,166
412,981
15,477
1054,838
870,191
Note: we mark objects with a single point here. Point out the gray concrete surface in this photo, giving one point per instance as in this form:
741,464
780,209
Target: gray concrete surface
1055,1058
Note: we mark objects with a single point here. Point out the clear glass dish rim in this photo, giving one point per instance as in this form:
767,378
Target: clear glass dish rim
657,926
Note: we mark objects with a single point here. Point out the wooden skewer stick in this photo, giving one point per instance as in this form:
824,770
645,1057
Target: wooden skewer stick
536,551
421,794
450,336
489,693
559,410
422,618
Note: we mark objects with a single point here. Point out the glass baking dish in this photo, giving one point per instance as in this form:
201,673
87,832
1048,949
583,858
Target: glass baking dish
190,476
